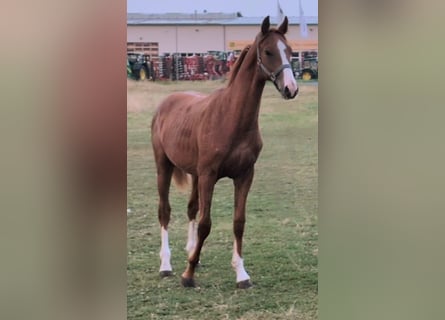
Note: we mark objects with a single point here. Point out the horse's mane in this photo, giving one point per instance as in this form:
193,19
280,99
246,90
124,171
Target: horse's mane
237,65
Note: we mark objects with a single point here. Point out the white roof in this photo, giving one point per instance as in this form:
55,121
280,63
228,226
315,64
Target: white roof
206,19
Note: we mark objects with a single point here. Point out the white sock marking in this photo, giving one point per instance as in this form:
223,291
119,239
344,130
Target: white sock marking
192,238
238,266
165,252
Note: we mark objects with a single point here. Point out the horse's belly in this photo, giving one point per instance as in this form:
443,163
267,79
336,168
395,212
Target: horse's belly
183,155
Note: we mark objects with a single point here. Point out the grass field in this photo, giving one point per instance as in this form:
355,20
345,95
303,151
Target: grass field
280,239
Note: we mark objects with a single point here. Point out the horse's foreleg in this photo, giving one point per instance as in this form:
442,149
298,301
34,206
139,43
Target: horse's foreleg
206,185
242,187
164,179
192,210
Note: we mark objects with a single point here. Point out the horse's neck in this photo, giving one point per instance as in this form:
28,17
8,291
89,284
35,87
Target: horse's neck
247,89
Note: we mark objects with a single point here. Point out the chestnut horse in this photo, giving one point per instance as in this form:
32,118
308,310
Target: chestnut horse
214,136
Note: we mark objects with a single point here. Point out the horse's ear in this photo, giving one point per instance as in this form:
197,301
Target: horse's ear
283,26
265,26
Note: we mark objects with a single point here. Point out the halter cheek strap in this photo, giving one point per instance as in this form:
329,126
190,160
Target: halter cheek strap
272,75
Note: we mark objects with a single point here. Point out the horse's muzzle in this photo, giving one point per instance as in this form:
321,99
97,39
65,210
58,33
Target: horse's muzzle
288,93
289,89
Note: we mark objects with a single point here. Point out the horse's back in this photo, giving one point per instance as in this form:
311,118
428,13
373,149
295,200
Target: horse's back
177,108
180,100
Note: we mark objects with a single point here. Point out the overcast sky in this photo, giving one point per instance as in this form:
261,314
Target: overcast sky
248,8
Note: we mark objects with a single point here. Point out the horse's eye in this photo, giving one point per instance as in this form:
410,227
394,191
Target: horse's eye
268,53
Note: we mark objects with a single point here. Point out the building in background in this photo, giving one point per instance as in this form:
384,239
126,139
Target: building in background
196,33
201,32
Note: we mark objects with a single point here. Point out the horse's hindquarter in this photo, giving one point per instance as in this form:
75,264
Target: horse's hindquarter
175,127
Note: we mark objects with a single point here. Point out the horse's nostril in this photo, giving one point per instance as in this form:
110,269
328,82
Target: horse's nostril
290,94
286,91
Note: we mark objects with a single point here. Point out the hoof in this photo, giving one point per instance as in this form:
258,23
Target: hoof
165,273
188,282
246,284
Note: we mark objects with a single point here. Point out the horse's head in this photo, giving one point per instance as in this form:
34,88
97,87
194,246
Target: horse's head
274,54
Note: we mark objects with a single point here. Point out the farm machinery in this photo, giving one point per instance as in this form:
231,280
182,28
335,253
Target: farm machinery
305,65
205,66
192,66
140,66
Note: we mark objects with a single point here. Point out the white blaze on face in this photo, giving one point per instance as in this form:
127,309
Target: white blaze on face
165,252
238,266
288,76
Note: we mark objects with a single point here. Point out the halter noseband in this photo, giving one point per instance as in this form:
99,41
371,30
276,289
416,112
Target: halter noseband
272,75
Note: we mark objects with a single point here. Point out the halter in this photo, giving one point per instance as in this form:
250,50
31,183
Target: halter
272,75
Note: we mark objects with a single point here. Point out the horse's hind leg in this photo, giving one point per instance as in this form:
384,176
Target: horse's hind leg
206,184
192,210
165,171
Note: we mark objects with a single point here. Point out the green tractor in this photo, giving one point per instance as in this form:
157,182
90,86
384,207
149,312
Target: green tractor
139,66
308,69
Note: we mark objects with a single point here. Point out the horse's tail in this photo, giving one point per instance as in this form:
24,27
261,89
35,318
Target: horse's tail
181,179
